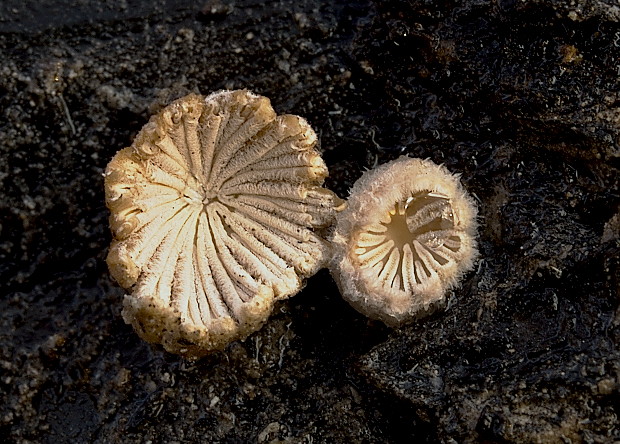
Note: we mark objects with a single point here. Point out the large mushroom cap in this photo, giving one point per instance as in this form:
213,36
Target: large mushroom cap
213,208
406,237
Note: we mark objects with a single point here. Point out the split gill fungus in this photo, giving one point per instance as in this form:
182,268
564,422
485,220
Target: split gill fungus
407,236
214,209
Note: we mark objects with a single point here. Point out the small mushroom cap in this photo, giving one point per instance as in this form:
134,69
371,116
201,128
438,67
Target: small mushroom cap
213,211
407,236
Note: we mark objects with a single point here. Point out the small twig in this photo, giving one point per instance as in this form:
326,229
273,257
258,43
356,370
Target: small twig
67,114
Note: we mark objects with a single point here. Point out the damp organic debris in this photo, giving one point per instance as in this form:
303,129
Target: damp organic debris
407,236
213,211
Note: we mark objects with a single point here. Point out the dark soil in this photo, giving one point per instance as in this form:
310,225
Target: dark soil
520,97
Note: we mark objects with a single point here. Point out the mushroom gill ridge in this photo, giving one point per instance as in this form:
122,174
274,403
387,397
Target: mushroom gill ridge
407,236
213,212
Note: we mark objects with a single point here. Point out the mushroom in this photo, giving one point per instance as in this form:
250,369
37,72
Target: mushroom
407,236
213,211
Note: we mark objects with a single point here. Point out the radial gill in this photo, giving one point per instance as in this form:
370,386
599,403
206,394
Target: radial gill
407,236
214,209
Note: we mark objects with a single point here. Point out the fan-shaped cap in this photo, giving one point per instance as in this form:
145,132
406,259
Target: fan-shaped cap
212,210
407,236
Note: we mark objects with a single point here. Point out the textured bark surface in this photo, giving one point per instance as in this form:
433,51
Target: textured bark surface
521,97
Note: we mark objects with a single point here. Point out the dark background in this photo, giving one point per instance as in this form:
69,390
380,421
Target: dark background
520,97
